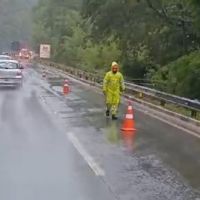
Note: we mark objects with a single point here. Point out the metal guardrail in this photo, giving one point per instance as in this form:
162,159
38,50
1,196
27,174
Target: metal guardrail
164,98
141,92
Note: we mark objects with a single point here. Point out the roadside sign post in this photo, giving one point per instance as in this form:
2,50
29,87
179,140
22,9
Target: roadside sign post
45,51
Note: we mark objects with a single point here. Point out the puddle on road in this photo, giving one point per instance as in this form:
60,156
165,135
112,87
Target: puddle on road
114,135
95,110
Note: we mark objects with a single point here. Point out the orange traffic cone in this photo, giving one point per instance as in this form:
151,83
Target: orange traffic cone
66,87
129,122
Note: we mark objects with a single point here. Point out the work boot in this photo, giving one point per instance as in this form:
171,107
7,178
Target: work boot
107,113
114,117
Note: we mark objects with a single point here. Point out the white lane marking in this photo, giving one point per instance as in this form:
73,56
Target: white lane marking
90,161
170,123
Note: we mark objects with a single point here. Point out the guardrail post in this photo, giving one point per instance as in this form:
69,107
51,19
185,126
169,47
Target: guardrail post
99,80
193,113
140,95
162,103
86,77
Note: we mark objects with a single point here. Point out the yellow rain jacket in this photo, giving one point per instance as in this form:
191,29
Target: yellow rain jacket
113,85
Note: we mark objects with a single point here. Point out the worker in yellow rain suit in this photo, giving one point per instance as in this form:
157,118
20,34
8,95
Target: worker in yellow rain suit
113,86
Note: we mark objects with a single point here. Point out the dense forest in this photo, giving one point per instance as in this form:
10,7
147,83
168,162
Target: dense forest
15,21
155,40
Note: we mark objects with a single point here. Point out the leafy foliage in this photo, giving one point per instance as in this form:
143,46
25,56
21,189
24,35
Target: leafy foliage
69,36
182,77
142,35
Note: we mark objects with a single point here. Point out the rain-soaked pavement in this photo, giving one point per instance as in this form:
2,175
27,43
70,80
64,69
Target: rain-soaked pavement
54,148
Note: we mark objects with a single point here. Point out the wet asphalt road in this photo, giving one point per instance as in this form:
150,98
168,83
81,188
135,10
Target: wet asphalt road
38,161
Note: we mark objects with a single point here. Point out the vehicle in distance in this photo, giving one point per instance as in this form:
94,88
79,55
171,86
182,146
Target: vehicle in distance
11,73
5,57
24,54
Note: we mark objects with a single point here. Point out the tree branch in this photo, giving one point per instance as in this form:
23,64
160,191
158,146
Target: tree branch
177,21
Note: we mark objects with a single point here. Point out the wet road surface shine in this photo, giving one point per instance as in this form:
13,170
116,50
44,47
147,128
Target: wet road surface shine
162,161
175,147
37,162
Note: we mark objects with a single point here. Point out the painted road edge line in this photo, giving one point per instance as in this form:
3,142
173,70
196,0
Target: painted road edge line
170,123
90,161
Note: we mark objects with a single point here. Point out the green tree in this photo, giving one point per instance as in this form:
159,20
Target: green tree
182,77
142,35
164,26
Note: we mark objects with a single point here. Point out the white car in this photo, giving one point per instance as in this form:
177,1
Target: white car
11,73
5,57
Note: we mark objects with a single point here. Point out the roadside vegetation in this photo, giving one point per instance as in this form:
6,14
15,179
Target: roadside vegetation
155,40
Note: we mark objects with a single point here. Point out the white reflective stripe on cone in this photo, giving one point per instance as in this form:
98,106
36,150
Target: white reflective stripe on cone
130,108
129,116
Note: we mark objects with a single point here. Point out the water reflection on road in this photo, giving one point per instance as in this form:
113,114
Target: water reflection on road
115,136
